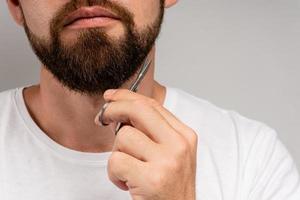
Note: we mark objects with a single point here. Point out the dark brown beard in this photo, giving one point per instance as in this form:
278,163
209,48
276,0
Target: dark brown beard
95,62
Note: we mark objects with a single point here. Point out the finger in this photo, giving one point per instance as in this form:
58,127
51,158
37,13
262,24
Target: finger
143,117
133,142
124,170
123,94
188,133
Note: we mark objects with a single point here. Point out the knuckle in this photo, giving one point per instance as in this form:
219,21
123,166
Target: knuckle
193,136
157,180
172,165
117,164
113,162
183,149
153,102
116,94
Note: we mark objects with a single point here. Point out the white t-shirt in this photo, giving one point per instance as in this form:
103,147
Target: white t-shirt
238,158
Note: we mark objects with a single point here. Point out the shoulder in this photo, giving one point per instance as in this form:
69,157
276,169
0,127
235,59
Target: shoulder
199,112
239,148
6,97
222,130
7,103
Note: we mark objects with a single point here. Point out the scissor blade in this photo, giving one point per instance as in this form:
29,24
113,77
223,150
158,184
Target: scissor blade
141,75
135,85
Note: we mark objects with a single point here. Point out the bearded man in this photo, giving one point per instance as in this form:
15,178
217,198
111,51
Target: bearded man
58,141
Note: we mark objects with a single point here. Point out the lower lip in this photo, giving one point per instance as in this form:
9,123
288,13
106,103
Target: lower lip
92,22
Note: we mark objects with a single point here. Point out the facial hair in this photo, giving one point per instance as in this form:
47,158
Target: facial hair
95,62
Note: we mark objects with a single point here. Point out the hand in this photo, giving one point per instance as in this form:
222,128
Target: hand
154,154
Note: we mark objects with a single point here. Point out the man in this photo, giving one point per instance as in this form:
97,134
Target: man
171,145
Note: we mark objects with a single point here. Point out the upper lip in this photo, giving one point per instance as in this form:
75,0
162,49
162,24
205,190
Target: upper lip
88,12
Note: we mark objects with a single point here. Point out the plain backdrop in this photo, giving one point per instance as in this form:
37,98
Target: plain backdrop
240,55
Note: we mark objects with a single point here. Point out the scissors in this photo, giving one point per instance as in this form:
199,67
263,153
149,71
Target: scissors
133,88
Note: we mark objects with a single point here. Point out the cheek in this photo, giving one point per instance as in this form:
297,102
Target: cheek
145,11
38,15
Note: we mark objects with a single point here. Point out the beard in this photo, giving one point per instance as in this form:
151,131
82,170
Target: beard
95,62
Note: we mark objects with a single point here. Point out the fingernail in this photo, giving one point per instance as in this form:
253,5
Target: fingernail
109,92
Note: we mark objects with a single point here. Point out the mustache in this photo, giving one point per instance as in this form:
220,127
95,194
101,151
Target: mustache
57,23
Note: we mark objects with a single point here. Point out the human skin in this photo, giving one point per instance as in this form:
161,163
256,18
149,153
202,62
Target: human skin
155,141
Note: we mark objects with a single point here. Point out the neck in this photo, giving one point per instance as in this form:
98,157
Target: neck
67,117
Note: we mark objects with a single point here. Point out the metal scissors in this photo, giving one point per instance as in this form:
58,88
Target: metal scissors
133,88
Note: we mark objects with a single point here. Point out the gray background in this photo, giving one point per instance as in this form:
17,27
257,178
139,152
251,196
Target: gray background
240,55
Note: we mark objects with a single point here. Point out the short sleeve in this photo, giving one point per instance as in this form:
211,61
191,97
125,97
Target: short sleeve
270,172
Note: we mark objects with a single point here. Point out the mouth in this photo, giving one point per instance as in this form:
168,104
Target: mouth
90,17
